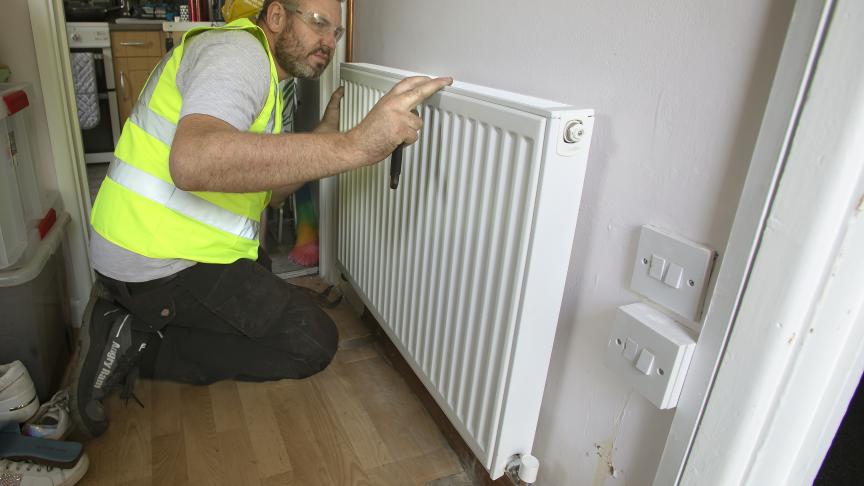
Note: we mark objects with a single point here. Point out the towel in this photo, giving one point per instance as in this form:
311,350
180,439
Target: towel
289,104
86,91
305,251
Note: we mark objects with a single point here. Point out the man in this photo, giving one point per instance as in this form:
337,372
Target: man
181,293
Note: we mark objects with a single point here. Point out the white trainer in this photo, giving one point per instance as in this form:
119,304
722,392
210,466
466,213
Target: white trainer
18,401
52,419
20,473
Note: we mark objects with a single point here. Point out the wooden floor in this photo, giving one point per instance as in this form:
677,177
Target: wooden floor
356,423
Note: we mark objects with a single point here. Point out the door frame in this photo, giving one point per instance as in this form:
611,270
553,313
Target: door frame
742,374
64,135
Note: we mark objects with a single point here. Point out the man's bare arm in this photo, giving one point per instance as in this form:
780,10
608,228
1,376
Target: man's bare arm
208,154
280,194
329,124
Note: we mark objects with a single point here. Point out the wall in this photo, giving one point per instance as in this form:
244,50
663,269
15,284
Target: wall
18,52
679,89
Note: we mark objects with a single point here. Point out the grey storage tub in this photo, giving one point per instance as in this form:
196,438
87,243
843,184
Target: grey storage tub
34,323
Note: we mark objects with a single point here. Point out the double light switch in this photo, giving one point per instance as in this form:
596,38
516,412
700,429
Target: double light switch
645,362
651,352
672,271
668,273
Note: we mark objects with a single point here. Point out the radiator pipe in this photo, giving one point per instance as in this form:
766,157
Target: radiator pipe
522,469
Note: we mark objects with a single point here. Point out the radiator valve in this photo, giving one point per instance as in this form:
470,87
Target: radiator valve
522,469
573,131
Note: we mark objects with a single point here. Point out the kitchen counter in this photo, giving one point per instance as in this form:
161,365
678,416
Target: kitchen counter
127,24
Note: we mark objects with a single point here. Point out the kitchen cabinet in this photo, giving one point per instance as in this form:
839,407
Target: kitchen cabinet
135,54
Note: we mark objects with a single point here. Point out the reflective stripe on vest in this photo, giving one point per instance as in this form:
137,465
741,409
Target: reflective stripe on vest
152,123
185,203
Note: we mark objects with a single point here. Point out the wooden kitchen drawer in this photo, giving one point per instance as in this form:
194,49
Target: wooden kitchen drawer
137,43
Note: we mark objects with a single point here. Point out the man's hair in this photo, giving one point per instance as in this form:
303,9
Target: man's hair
289,5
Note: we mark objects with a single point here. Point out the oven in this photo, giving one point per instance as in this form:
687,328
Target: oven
100,138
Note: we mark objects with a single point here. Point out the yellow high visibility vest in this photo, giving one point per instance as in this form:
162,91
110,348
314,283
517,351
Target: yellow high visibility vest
138,206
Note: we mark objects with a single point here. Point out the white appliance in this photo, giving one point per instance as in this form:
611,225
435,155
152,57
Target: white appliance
94,37
464,263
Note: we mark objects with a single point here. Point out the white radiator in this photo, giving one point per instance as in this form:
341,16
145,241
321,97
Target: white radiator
464,263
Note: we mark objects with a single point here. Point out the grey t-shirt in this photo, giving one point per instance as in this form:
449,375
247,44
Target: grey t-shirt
224,74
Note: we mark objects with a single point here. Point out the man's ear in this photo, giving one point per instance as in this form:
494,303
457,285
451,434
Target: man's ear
275,17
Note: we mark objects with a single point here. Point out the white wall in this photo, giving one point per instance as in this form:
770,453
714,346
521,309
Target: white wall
679,89
18,52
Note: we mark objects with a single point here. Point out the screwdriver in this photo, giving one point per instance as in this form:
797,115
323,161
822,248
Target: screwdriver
396,166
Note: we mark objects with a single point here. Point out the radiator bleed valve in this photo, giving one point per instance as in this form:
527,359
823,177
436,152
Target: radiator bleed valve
396,166
522,469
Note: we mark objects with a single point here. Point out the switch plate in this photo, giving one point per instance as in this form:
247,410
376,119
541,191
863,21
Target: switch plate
692,260
666,348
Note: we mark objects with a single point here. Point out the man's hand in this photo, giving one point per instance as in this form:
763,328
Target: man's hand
330,121
391,121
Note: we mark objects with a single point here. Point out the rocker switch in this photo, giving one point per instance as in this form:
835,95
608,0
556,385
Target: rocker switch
630,349
658,266
646,361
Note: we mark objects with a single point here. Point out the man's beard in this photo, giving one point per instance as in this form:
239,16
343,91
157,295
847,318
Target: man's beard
290,54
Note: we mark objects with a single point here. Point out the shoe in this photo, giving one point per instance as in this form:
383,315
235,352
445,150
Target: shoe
22,473
52,419
108,354
18,400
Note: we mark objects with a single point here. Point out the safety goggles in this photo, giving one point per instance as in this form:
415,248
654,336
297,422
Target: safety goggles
319,23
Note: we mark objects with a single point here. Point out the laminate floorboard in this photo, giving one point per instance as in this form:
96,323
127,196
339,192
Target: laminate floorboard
355,424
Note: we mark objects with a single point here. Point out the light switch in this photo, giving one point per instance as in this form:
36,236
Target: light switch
664,349
673,276
645,362
630,349
658,265
672,272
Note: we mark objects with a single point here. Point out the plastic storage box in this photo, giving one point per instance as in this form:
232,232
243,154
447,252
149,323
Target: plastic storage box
22,204
34,321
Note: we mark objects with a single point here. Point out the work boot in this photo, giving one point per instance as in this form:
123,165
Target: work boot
108,354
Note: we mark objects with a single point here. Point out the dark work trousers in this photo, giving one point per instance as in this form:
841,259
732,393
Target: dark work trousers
235,321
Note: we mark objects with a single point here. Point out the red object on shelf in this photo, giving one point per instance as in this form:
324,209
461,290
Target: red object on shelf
204,10
198,11
47,223
16,101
